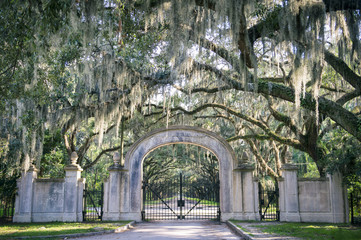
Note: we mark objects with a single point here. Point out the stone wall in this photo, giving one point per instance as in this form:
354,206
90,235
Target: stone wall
323,200
314,195
312,200
47,200
300,200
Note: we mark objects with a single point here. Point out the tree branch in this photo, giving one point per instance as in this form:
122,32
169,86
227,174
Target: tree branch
264,127
348,96
284,118
251,136
336,112
101,154
261,160
341,67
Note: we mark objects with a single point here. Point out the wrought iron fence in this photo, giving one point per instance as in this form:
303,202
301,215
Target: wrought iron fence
354,196
93,204
7,208
268,203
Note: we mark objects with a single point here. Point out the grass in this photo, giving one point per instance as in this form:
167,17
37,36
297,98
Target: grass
151,202
206,202
245,230
13,230
312,231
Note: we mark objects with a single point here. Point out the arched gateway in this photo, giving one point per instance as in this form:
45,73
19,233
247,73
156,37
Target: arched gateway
307,200
123,189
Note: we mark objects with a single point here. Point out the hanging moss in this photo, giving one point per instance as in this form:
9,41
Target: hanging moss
96,80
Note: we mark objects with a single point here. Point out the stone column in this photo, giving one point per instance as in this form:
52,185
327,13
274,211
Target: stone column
124,197
237,193
113,197
338,198
288,194
250,208
116,199
24,198
72,205
244,202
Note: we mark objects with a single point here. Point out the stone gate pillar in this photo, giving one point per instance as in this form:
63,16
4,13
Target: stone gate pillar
116,192
112,191
338,198
73,191
245,191
125,213
288,194
24,198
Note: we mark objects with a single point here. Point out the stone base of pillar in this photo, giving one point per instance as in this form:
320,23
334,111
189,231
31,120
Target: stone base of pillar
246,216
70,217
226,216
22,217
79,217
290,217
122,216
318,217
110,216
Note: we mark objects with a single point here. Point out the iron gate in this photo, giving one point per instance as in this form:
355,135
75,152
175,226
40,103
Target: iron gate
180,198
354,196
7,207
268,203
93,204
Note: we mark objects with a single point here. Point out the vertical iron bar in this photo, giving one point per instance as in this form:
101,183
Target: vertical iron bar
181,200
260,199
84,202
352,219
144,198
186,184
101,201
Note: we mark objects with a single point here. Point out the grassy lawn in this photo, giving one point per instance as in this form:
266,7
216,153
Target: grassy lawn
158,201
12,230
315,231
206,202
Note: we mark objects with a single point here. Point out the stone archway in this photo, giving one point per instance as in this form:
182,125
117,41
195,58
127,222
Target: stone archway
39,200
123,189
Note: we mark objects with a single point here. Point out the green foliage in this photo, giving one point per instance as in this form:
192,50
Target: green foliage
23,25
307,168
96,175
344,155
169,161
4,147
9,167
196,164
54,155
45,47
